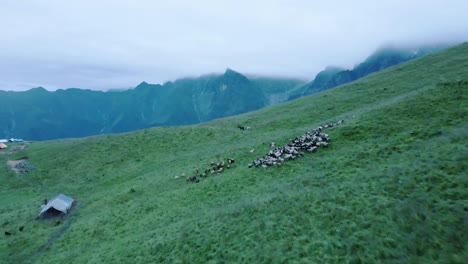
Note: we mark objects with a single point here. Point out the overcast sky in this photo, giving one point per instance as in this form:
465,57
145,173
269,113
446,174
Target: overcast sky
119,43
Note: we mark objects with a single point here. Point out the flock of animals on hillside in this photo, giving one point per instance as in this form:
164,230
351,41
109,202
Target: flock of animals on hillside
215,168
309,142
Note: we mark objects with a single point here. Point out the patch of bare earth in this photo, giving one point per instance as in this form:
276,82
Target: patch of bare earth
14,149
13,163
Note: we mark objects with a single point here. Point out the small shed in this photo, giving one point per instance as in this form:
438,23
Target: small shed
2,146
57,205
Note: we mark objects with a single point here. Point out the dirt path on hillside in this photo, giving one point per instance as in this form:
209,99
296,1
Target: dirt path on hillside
51,241
358,112
350,116
67,220
382,103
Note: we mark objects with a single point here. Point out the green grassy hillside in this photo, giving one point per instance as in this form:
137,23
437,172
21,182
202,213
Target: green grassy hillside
392,187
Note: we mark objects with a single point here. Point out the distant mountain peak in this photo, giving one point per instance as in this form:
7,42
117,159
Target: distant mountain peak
229,70
232,73
143,83
39,89
231,76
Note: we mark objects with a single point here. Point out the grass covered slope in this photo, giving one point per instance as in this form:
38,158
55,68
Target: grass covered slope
390,188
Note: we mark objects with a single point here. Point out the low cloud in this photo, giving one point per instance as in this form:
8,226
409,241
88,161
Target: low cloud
117,44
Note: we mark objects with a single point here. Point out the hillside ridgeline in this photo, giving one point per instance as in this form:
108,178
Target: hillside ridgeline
38,114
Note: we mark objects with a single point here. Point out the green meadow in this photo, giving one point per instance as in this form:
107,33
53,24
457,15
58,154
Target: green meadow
392,187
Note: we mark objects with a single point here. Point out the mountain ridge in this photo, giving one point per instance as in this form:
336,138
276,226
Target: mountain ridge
180,102
38,114
381,59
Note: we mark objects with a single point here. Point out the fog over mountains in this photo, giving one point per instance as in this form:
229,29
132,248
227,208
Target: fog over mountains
38,114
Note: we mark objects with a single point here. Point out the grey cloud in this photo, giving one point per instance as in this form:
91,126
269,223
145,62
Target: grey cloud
116,44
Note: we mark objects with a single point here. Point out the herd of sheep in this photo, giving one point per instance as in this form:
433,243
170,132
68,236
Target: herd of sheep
215,168
308,142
